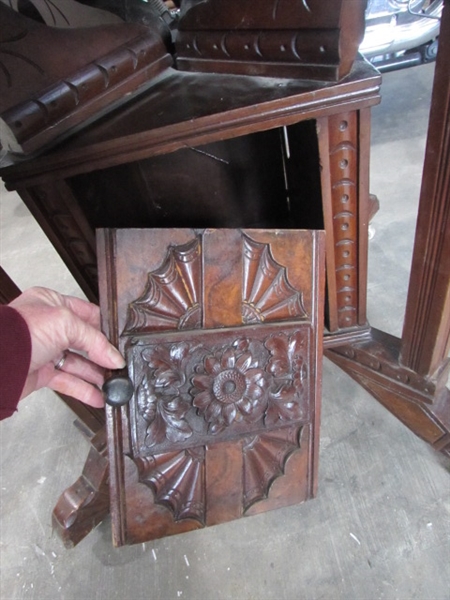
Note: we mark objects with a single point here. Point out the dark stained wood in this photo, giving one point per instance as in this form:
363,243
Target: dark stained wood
8,289
344,141
59,214
299,39
85,504
426,332
409,376
222,331
421,403
56,80
67,13
203,114
245,136
189,109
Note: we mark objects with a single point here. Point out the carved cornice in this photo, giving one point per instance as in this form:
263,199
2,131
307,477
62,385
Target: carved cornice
48,86
298,39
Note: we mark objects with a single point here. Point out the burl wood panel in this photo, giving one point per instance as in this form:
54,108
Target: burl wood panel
308,39
222,334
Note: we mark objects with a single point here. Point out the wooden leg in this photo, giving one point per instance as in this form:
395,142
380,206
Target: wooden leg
421,403
344,147
85,504
409,376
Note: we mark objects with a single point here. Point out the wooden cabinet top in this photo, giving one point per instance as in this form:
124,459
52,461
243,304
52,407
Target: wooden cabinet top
178,110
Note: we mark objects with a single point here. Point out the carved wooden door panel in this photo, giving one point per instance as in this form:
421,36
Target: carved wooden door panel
222,331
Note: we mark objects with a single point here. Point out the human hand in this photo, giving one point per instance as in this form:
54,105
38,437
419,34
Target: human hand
57,323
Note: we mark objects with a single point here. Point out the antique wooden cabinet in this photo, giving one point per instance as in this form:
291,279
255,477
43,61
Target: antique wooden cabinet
222,331
222,151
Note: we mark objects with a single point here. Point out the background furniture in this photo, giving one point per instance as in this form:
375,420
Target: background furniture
319,176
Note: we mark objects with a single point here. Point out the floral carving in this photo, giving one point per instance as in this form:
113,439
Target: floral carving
159,399
192,389
289,371
229,386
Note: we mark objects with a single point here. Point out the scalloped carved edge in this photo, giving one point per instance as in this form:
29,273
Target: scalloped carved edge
101,85
267,295
178,479
171,298
265,458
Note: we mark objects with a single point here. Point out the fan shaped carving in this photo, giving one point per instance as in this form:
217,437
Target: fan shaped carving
265,458
170,300
267,294
177,480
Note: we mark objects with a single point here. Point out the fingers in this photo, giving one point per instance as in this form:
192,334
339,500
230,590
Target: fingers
70,385
86,311
81,367
85,338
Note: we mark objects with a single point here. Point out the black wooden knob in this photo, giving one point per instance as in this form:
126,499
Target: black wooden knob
118,390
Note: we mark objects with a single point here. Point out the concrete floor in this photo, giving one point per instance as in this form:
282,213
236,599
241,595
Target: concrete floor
379,528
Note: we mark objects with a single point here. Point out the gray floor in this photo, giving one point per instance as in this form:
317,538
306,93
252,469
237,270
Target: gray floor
379,528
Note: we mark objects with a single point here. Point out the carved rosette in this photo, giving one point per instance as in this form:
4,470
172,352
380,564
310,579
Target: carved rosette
201,394
192,390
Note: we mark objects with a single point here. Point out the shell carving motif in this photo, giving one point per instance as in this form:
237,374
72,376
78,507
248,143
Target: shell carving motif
177,480
267,294
171,299
265,458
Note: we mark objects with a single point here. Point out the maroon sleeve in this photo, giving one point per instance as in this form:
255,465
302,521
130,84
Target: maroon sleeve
15,356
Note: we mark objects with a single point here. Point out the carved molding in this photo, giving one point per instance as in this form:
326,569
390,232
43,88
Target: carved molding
343,156
48,87
380,355
426,329
86,503
70,233
420,402
298,38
